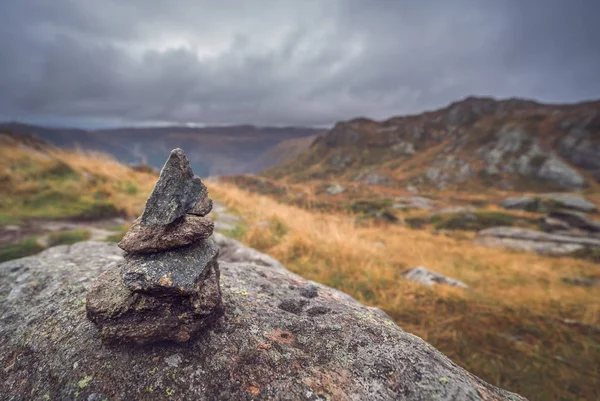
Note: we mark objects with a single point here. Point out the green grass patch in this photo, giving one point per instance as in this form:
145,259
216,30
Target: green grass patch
591,254
470,221
26,247
475,221
237,232
68,237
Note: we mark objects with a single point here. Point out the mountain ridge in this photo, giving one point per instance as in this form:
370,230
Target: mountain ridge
507,144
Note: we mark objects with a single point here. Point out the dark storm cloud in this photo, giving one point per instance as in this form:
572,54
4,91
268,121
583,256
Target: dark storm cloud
286,62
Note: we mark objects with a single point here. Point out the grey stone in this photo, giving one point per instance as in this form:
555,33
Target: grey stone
184,231
125,317
412,202
176,272
553,225
576,220
428,277
521,203
335,189
255,350
561,173
412,189
571,201
177,191
376,179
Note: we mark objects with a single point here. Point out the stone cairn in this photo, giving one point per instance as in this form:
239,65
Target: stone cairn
167,289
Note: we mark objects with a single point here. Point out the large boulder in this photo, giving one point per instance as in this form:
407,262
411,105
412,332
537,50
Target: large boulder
279,337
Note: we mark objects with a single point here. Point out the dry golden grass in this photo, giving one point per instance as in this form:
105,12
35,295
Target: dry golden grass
43,181
519,326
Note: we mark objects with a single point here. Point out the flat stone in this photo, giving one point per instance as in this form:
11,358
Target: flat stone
521,203
177,191
175,272
430,278
524,239
183,231
129,317
413,202
571,201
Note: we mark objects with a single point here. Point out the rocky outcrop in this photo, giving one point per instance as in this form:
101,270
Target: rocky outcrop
280,337
550,201
506,144
571,201
167,289
531,240
522,203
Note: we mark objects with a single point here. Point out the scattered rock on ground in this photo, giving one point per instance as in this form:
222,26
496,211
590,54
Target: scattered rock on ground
412,202
521,203
428,277
335,189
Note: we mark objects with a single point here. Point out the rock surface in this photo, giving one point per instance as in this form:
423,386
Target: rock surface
521,203
570,201
177,191
576,220
184,231
428,277
549,201
127,317
174,272
530,240
331,348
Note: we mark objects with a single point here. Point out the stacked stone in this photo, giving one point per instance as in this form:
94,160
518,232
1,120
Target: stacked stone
167,289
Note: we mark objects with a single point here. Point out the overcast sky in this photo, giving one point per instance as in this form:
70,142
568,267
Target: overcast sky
303,62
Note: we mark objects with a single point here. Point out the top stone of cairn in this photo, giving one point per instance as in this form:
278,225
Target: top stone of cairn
176,193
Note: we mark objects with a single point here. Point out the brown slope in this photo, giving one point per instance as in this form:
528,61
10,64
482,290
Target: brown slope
508,144
280,153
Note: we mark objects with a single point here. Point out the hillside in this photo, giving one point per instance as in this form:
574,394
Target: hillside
212,150
525,322
472,144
